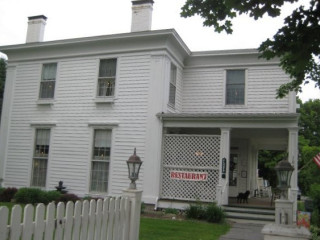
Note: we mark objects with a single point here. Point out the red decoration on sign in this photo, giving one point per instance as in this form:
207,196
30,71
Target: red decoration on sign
189,176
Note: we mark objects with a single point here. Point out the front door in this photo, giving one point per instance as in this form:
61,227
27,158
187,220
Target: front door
238,168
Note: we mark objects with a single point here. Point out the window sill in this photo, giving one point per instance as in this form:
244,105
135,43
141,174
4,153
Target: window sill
235,106
45,102
104,100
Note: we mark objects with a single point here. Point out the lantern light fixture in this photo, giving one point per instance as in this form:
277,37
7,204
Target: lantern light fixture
284,171
134,163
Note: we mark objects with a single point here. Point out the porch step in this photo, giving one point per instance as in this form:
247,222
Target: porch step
249,214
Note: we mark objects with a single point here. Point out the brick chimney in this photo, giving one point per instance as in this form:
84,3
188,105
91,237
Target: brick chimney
36,25
141,15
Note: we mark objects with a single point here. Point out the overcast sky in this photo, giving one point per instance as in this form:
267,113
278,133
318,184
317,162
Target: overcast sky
83,18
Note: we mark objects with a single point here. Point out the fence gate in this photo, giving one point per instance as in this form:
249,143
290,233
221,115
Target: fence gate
190,167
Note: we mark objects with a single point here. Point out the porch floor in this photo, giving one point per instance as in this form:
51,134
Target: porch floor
257,202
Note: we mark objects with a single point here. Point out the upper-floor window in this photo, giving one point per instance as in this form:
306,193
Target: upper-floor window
172,88
48,80
40,158
107,77
100,160
235,87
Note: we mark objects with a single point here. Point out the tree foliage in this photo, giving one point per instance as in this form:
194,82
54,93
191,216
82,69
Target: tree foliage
296,43
309,121
309,144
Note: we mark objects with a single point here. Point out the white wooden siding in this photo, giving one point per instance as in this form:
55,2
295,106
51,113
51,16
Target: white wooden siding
72,111
203,90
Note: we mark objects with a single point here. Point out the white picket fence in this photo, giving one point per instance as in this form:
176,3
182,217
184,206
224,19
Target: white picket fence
107,219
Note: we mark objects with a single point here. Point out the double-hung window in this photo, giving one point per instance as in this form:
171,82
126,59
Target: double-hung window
107,77
235,87
48,80
100,160
172,88
40,158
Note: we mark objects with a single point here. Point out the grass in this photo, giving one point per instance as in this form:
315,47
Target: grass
163,229
160,229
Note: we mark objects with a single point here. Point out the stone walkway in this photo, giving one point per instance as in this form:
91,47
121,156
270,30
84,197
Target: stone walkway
244,231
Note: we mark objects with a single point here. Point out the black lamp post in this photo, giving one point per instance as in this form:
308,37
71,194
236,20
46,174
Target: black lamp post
134,163
284,171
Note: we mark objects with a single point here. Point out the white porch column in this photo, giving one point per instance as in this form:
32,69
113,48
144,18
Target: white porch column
222,188
293,159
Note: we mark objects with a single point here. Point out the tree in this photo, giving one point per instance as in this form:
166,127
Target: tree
309,121
296,43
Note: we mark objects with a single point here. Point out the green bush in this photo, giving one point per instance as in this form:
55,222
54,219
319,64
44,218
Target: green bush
315,194
143,207
196,211
1,190
30,195
210,212
315,218
171,211
315,232
214,213
52,196
7,194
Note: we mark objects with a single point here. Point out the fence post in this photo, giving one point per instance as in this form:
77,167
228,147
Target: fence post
135,199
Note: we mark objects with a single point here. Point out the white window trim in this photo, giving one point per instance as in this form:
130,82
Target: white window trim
100,126
36,127
47,101
106,99
173,105
241,106
104,125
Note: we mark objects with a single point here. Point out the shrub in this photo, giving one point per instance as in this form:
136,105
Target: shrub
315,233
143,207
315,218
68,197
7,194
1,190
196,211
315,194
30,195
171,211
52,196
214,213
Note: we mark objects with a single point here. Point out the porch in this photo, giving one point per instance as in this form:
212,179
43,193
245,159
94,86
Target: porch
240,137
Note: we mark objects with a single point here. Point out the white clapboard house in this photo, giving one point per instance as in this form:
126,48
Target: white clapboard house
75,109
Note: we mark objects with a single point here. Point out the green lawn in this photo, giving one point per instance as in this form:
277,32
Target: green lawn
158,229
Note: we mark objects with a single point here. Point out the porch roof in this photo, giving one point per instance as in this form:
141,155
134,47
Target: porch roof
231,120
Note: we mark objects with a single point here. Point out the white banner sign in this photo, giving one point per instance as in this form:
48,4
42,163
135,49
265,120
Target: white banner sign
189,176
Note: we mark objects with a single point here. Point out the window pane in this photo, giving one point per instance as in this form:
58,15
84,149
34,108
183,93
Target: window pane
49,71
106,87
235,87
99,176
39,172
172,94
48,79
100,163
172,88
108,68
40,159
42,143
47,89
